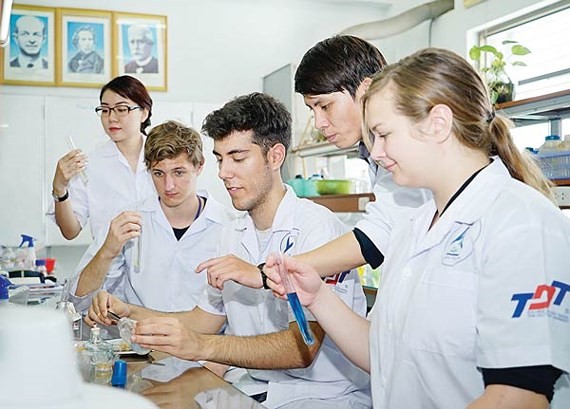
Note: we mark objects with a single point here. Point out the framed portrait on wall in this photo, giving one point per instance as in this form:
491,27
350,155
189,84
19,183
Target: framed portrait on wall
30,56
85,47
140,41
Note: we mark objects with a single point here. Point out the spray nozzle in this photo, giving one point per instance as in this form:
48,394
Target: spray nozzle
28,240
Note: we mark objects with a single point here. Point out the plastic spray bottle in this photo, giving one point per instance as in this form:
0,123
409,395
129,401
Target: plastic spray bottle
4,294
27,252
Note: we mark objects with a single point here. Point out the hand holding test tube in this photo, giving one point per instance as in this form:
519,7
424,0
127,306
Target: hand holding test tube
71,146
294,301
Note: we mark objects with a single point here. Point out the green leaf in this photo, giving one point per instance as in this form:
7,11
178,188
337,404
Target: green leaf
520,50
489,49
519,64
505,42
475,53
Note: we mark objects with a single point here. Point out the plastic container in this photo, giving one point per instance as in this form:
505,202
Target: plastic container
565,144
26,254
298,185
50,265
41,266
551,144
333,186
4,293
555,165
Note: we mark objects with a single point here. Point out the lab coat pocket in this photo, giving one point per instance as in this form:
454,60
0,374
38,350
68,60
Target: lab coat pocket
443,311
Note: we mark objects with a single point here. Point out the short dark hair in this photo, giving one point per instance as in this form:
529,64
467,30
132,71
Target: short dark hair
337,64
170,139
131,88
262,114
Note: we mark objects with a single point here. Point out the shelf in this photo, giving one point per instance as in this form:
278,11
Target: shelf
538,109
561,182
344,203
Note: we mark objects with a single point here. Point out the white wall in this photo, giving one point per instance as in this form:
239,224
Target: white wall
217,49
454,29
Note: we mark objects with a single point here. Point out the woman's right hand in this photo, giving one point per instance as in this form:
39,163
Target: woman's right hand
302,276
67,167
102,303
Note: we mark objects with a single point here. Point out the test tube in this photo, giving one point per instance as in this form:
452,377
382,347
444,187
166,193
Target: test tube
294,301
71,146
137,254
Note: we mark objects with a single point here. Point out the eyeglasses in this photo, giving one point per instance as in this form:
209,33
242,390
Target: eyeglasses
119,110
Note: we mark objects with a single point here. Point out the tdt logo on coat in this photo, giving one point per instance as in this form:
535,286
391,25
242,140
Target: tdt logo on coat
540,301
460,243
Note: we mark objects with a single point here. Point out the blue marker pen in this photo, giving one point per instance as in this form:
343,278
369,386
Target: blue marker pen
294,301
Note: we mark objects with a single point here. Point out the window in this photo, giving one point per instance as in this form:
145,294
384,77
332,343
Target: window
547,34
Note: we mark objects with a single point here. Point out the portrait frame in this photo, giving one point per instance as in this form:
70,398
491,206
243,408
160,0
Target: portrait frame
152,70
42,69
85,47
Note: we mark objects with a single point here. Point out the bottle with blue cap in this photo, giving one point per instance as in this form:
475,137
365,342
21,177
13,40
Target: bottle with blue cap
4,293
26,253
550,144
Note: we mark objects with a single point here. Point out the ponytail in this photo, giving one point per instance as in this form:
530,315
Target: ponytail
521,165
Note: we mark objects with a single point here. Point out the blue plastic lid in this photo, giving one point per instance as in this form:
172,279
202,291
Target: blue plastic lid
4,284
119,373
552,138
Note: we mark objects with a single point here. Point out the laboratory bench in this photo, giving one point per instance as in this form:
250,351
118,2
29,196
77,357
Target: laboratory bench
182,389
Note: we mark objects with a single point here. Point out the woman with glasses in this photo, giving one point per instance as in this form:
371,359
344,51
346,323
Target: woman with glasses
99,185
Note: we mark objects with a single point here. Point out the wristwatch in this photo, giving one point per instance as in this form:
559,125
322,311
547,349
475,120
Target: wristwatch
60,199
263,276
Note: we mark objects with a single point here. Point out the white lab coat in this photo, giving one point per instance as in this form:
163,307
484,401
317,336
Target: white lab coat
392,204
299,226
111,187
447,300
166,280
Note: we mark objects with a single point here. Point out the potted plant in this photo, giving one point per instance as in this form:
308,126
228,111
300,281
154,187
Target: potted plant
501,88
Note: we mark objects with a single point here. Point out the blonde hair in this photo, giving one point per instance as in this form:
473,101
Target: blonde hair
435,76
170,139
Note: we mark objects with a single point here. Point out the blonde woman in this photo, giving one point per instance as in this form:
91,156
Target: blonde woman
472,310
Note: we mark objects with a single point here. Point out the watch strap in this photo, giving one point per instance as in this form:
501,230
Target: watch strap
62,198
263,276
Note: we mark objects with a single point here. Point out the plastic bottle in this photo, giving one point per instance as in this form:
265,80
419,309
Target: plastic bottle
27,253
4,294
550,144
565,144
41,266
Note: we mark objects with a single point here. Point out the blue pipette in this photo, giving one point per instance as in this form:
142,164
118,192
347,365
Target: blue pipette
294,301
